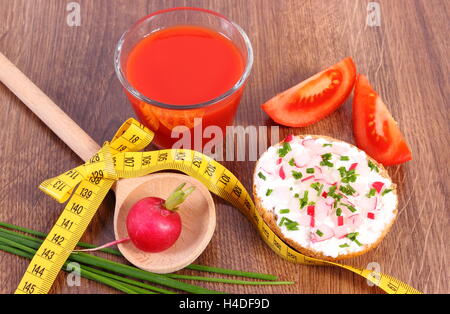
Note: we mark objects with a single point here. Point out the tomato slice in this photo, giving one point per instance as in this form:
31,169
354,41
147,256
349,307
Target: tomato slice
314,98
376,131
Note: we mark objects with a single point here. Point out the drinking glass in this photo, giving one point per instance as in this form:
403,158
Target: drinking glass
162,118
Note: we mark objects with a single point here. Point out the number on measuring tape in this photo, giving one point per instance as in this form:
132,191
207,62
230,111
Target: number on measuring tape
210,169
134,138
29,287
77,208
180,156
237,191
59,185
58,239
96,177
247,204
224,179
95,158
38,270
47,253
146,160
67,224
162,157
72,174
197,161
129,161
86,193
121,147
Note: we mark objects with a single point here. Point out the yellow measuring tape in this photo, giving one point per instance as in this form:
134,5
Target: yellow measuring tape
86,186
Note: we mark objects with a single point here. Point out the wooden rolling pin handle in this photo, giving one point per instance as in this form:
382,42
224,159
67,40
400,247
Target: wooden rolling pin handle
59,122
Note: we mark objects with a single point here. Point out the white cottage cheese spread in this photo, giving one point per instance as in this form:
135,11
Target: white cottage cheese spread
326,195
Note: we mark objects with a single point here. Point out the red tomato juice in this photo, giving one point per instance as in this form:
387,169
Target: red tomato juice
184,65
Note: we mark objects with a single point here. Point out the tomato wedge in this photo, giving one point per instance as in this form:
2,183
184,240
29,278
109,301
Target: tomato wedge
314,98
376,132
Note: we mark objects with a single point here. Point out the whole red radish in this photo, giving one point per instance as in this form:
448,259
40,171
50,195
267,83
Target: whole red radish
154,224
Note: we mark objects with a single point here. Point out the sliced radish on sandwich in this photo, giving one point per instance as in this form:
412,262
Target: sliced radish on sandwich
321,233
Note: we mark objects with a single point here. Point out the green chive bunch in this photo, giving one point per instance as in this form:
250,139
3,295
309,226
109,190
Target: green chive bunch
123,277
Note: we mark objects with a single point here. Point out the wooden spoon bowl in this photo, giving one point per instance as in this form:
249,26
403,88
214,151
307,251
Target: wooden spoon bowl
198,217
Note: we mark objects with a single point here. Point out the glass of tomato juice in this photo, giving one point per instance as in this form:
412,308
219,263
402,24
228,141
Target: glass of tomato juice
184,67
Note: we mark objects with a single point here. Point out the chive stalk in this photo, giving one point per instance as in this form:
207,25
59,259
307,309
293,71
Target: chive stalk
128,281
231,272
229,281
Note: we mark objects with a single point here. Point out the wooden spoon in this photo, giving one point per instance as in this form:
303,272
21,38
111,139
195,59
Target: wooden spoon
197,213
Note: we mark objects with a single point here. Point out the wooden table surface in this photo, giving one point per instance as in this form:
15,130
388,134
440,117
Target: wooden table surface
406,59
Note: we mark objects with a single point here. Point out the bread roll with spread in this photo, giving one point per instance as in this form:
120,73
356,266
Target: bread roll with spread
324,197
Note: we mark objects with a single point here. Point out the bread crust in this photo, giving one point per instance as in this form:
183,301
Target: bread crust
270,219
